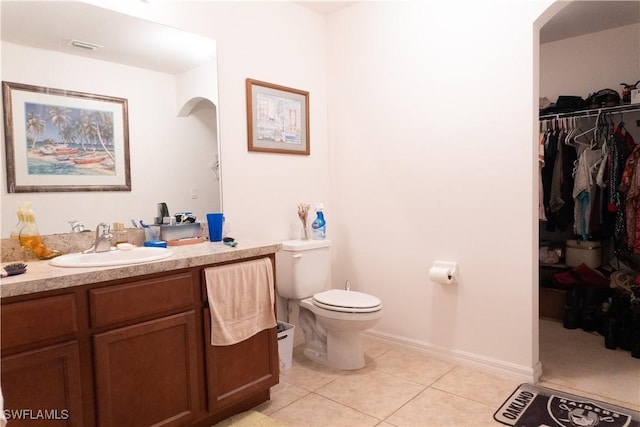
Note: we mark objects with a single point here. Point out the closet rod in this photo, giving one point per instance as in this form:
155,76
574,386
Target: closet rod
593,112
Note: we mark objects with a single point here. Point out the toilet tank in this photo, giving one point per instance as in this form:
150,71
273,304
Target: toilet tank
303,268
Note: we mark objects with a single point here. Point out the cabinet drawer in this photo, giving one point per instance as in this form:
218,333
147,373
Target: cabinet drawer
42,320
114,304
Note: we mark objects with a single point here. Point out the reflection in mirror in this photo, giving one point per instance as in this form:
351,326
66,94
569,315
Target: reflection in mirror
169,78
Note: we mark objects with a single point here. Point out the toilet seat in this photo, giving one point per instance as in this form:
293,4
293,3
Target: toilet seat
347,301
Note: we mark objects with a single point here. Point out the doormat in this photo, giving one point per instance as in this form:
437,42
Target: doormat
248,419
533,406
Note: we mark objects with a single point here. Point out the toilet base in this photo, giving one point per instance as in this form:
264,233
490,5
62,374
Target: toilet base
344,352
335,343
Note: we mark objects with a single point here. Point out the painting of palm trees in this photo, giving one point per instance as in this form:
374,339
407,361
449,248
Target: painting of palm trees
67,137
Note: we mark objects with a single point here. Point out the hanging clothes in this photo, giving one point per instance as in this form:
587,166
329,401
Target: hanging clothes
590,180
541,141
603,180
555,195
619,153
630,186
584,190
632,204
564,216
550,153
556,159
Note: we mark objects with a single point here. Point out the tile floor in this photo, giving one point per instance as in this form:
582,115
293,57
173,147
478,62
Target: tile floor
399,387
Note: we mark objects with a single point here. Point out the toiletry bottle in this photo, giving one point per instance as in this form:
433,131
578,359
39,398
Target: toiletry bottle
15,233
30,237
120,235
319,225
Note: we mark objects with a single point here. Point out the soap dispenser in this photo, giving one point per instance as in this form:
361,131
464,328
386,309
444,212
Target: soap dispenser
30,237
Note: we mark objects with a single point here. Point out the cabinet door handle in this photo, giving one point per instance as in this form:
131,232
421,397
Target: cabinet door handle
296,256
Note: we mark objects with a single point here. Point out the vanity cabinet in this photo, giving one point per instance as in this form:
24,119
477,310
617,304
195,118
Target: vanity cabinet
41,374
129,352
236,373
42,387
146,372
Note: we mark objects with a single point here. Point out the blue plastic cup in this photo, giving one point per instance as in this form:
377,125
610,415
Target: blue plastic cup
214,222
152,233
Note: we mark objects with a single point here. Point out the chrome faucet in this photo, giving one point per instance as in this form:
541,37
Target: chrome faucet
103,239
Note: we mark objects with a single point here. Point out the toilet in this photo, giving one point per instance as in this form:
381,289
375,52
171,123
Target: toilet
331,319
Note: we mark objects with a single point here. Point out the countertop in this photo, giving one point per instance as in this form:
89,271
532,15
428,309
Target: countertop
41,276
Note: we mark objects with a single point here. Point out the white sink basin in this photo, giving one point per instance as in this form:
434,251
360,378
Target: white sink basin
105,259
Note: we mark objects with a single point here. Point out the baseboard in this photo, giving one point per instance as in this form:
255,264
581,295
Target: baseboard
521,373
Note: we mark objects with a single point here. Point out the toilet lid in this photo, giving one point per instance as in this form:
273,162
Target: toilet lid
347,301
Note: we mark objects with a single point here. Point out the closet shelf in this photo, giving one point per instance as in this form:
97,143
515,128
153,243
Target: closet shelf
628,108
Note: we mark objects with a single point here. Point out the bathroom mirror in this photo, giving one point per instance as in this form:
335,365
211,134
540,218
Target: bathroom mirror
169,78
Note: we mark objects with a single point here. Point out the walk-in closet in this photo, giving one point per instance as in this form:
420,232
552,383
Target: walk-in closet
589,199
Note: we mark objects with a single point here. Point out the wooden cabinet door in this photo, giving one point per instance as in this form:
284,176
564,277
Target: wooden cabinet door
146,374
42,387
240,371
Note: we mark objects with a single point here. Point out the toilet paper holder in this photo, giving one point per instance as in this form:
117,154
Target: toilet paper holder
451,269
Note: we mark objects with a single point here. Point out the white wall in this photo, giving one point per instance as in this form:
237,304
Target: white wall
431,108
585,64
582,65
276,42
162,145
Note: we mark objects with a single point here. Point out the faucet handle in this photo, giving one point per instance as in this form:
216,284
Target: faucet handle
76,226
106,233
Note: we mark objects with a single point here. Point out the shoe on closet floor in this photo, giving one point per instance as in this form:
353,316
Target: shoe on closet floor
635,329
573,307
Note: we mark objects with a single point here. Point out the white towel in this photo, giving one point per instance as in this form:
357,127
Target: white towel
241,298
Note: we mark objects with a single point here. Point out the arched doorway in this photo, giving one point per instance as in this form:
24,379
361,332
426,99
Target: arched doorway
577,359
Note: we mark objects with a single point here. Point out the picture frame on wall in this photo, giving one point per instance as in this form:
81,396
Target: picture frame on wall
61,140
277,118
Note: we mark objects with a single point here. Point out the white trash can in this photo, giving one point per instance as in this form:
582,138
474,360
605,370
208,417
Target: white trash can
285,344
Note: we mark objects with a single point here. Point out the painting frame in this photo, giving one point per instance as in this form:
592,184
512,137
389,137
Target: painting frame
277,118
99,160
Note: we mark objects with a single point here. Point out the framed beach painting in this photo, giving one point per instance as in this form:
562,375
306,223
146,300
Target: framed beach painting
277,118
60,140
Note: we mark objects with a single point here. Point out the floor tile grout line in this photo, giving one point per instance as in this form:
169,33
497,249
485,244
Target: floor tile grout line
405,404
451,393
405,379
292,402
315,392
424,387
347,406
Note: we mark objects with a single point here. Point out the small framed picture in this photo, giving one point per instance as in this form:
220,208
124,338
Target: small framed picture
277,118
